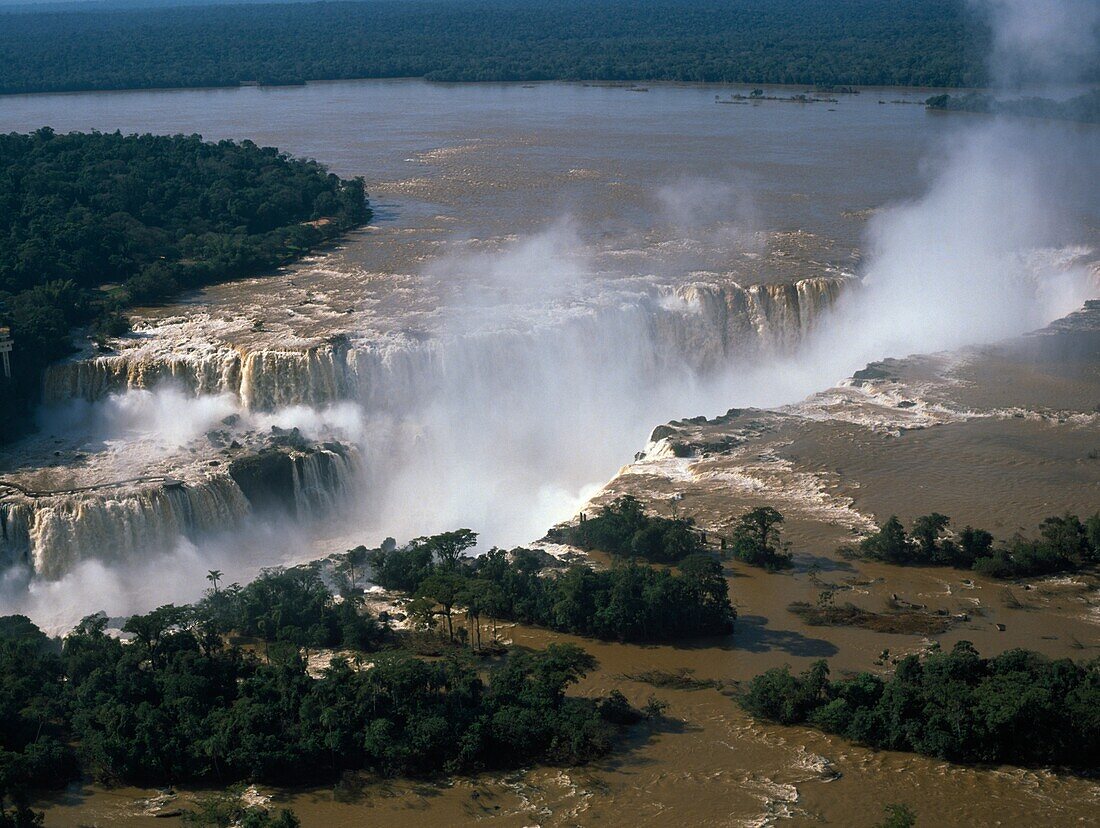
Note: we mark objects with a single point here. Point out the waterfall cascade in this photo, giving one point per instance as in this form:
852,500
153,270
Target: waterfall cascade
697,323
697,326
53,533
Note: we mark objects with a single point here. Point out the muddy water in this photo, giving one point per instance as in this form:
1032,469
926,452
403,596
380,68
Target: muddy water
660,185
708,763
790,189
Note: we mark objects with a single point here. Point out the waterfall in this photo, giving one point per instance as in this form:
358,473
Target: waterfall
52,533
699,324
217,371
564,366
323,480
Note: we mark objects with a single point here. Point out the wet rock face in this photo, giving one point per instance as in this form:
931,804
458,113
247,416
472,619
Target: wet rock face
266,479
1074,338
871,372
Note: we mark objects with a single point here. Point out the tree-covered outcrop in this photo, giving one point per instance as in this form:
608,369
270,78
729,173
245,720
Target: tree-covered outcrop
219,692
1065,543
757,539
622,528
91,223
1016,708
830,44
629,602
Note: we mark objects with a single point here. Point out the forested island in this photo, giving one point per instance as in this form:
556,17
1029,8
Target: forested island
91,223
1065,544
835,44
1018,708
629,602
221,691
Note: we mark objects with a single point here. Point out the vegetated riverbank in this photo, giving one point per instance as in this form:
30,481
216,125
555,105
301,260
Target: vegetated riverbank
97,222
1065,544
934,43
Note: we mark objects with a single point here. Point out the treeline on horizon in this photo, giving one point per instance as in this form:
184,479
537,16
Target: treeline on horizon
91,223
218,692
839,42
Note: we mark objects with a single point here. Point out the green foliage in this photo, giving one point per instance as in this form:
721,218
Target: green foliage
626,603
898,815
889,543
228,809
34,738
179,704
1016,708
842,42
623,528
295,606
154,214
1064,544
757,539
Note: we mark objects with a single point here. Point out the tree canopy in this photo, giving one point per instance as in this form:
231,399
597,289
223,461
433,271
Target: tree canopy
92,222
1017,708
839,42
219,691
623,528
1065,543
629,602
757,539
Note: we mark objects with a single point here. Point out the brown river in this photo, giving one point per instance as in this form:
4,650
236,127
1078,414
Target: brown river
661,185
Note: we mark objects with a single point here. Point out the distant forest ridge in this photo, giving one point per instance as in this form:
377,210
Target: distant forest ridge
815,42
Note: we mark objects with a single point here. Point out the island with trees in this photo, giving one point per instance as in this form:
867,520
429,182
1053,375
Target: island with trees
834,45
622,528
1016,708
1065,544
222,691
628,602
1084,108
92,223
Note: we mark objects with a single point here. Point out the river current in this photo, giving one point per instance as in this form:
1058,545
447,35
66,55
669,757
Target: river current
555,269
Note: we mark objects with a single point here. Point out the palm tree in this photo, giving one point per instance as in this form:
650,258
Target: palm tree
213,576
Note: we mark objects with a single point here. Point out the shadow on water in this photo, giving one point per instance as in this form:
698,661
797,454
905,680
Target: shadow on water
804,562
752,634
366,789
384,213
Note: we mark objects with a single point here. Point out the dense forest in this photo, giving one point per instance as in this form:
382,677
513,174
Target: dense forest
90,223
629,602
219,691
840,42
623,528
1017,708
1064,544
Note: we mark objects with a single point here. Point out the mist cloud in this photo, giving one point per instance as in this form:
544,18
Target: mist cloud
1042,42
